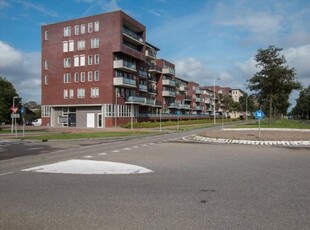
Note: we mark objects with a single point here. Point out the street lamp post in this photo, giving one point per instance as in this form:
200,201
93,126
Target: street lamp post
214,120
246,108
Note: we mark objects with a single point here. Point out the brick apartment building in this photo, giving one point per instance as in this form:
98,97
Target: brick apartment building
100,71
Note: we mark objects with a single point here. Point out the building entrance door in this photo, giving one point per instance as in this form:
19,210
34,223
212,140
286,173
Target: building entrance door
90,120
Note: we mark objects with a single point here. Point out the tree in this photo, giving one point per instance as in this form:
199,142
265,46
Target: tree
7,92
275,81
302,108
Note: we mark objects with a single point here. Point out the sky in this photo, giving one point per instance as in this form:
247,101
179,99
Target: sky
205,39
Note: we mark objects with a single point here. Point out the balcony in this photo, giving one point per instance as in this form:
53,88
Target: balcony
153,79
183,88
167,93
150,54
198,91
154,69
132,37
207,101
188,99
183,106
140,101
143,88
142,73
168,71
199,99
124,82
125,66
198,108
152,91
168,82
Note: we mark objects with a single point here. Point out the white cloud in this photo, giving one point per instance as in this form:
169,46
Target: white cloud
22,70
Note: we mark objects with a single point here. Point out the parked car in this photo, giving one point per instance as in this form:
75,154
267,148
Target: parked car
37,122
28,122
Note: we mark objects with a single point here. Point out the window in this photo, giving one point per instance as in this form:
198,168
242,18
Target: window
96,75
46,110
71,93
67,77
76,60
90,27
82,28
67,62
90,76
82,60
46,80
81,93
65,46
94,92
76,30
96,26
83,77
96,59
81,45
46,65
90,59
71,45
67,31
76,77
46,35
65,93
94,43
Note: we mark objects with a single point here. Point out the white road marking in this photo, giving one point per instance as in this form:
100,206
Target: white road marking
88,157
115,151
101,154
126,149
7,173
76,166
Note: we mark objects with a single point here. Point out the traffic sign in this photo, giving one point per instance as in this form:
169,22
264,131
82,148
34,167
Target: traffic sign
13,109
259,114
22,110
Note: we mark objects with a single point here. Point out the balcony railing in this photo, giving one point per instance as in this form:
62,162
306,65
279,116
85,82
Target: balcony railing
168,82
198,108
150,53
143,88
167,93
140,100
154,69
183,88
125,65
125,82
199,99
143,73
168,71
133,36
198,91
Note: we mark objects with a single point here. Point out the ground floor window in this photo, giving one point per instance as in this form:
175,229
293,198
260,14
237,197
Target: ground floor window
112,110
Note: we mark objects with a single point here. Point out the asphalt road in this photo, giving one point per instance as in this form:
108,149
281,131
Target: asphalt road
193,186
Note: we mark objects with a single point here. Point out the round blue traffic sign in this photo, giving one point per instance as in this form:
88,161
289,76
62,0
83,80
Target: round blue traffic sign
259,114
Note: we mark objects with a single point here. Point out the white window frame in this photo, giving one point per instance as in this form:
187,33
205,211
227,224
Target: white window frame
71,45
82,29
96,26
67,31
94,92
76,77
90,60
46,65
82,76
96,75
76,30
46,80
94,43
46,35
65,47
90,27
89,76
96,59
76,60
81,45
67,62
67,77
82,60
71,93
81,93
65,94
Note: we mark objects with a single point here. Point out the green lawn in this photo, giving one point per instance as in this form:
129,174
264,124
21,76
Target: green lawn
282,123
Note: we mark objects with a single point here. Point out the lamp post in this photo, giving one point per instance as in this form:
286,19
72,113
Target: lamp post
246,108
214,120
13,119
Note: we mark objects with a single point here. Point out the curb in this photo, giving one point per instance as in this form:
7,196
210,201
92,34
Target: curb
249,142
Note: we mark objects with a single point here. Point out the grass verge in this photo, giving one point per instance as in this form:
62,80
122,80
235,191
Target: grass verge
282,123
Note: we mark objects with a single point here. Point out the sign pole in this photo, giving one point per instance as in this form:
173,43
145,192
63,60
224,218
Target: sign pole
259,128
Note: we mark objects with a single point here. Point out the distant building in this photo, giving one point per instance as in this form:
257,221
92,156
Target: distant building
236,94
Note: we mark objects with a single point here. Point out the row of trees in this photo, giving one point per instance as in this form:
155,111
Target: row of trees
302,108
7,92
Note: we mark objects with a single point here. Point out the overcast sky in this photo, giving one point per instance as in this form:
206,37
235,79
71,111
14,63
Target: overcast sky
206,39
